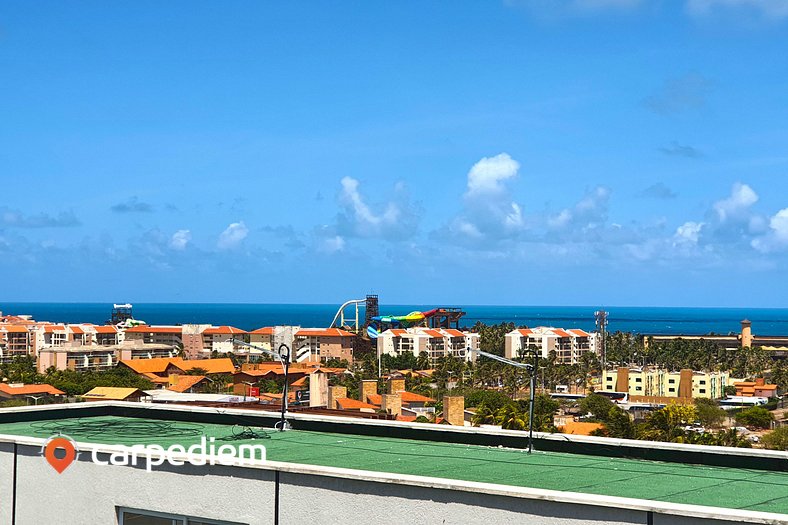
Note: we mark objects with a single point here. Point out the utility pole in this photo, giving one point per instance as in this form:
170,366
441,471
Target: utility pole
600,317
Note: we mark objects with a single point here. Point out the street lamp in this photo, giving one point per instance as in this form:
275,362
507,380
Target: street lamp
250,386
531,369
283,355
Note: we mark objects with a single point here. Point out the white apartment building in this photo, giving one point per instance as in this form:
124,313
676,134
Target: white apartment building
436,342
568,344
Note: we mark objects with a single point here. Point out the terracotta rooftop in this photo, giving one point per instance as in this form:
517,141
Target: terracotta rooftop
184,383
14,390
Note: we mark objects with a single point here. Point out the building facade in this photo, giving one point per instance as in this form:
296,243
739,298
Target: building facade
656,382
435,342
569,345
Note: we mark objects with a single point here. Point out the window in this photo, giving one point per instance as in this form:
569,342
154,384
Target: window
702,390
672,381
671,389
702,381
638,380
638,388
609,379
145,517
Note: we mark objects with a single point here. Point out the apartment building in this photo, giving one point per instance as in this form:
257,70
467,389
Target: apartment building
221,339
15,340
321,344
660,383
163,335
70,356
435,342
569,345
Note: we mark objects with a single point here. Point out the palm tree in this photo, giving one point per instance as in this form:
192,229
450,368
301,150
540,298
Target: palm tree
484,416
511,418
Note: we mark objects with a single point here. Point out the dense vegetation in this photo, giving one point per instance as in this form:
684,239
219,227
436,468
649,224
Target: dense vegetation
22,369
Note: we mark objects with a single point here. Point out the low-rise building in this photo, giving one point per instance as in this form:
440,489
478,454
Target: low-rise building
568,344
660,383
221,339
167,335
321,344
435,342
74,356
22,391
757,388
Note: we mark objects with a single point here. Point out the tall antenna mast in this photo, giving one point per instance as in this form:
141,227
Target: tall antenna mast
600,316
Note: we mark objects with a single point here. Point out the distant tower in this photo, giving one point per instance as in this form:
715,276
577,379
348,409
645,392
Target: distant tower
372,309
600,316
746,333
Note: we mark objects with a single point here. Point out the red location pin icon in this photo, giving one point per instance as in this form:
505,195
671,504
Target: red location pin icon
60,463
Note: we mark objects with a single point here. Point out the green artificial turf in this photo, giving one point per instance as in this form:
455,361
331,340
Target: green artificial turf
725,487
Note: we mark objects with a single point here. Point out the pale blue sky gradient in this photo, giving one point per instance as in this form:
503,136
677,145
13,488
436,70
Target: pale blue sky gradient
618,152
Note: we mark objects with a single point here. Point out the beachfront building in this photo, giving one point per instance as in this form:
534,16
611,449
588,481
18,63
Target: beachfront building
221,339
435,342
569,345
15,341
651,382
71,356
321,344
164,335
775,345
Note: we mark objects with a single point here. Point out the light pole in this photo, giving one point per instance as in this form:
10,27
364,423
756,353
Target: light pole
532,368
283,356
250,386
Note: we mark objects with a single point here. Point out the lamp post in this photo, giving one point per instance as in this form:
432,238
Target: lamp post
283,356
532,369
250,386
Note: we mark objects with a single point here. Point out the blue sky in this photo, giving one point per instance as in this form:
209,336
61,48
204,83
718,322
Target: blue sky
617,152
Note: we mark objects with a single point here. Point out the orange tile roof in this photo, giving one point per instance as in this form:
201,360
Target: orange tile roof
223,365
29,390
155,365
267,330
13,328
76,329
407,419
106,329
561,333
155,378
399,332
525,331
766,387
407,397
434,333
299,382
579,333
323,332
147,329
345,403
455,333
223,330
185,383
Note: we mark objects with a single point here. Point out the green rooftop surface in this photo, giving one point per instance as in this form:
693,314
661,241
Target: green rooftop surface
725,487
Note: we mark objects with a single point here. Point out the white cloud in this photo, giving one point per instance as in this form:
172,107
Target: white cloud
777,237
232,236
774,9
396,220
180,240
737,205
588,213
488,175
688,233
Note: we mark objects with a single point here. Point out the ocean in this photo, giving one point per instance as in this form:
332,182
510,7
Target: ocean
654,320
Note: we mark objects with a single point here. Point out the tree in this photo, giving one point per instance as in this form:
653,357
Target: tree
511,417
544,409
755,417
777,439
618,424
709,414
596,405
484,415
667,424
